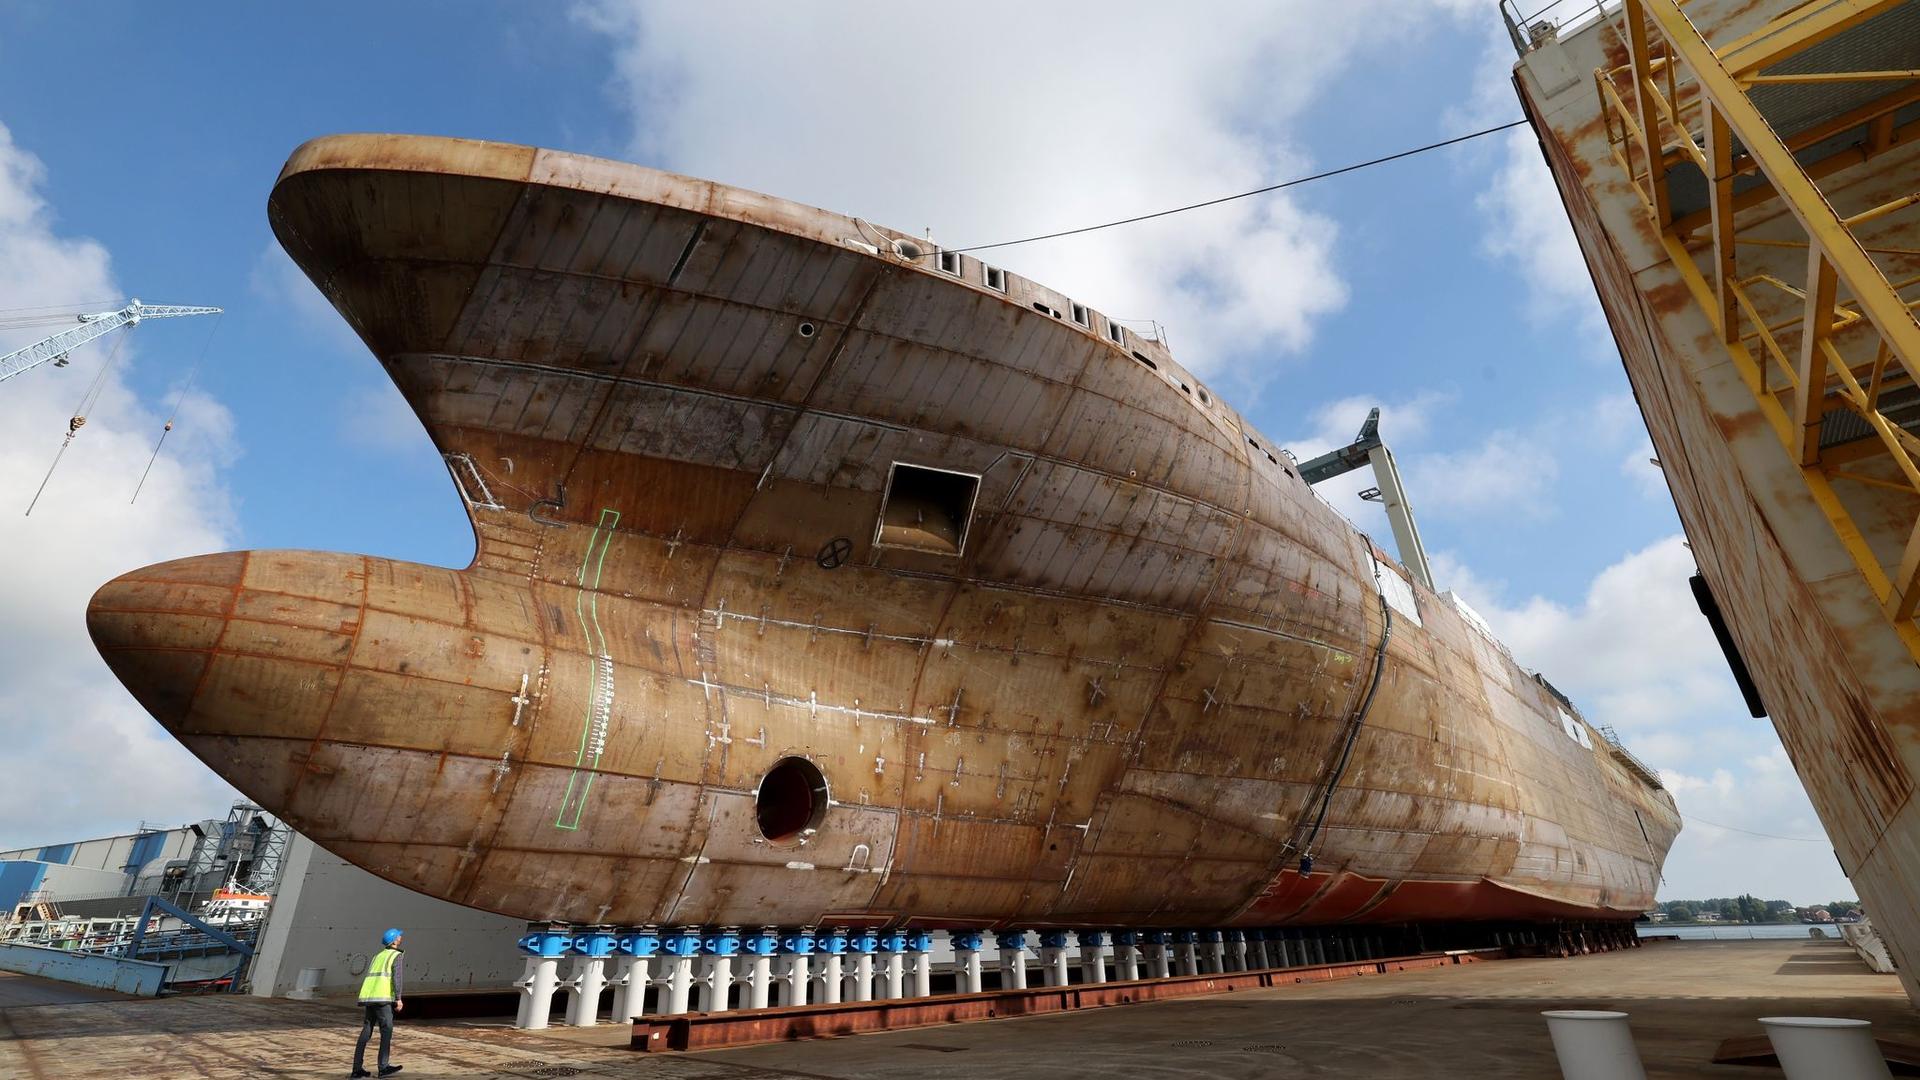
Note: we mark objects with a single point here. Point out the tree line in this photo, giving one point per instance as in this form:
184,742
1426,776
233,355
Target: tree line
1747,908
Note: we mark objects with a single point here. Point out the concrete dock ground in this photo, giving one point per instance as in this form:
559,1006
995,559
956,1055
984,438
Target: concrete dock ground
1479,1020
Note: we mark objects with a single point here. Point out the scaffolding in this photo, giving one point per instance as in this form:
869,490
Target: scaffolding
1742,156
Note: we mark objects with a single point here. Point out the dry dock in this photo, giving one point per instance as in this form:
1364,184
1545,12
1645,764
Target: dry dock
1477,1020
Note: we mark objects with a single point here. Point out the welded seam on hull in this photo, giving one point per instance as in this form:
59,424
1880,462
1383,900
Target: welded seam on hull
599,709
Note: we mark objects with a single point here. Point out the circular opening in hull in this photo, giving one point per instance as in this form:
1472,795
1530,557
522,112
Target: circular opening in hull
806,329
791,799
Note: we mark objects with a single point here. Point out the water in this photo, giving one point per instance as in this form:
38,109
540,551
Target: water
1767,931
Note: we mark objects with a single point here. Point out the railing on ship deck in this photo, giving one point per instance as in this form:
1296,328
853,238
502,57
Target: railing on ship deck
1681,101
1549,19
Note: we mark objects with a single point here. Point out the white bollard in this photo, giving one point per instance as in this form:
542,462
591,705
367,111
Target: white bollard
1212,953
1053,957
760,949
799,975
864,943
589,981
920,947
1236,950
896,976
536,986
544,946
1126,956
966,955
684,948
797,946
1183,951
718,985
1158,966
1013,959
832,944
632,976
1594,1045
1093,956
1257,955
1825,1048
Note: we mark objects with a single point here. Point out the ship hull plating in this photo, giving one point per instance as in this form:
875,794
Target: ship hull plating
1060,640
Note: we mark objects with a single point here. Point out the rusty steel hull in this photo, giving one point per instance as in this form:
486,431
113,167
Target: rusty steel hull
1831,669
674,408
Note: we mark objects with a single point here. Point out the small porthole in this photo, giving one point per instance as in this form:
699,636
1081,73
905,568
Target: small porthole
950,262
1185,389
907,249
791,800
1045,309
926,509
807,329
1204,399
995,278
1082,316
1142,357
1117,333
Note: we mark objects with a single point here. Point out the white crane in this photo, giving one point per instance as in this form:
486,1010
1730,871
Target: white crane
59,346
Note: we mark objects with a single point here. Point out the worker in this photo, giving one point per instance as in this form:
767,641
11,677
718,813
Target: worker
380,998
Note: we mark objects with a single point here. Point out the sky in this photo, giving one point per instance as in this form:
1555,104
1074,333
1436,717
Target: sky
1445,289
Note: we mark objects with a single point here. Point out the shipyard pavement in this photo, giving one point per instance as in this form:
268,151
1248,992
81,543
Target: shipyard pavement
1480,1020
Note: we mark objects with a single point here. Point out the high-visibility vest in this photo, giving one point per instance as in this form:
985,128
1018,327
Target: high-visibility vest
378,985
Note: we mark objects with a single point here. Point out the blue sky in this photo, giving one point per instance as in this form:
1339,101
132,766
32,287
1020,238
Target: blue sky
1444,287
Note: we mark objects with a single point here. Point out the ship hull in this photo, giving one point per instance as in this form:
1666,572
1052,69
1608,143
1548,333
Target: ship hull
1058,638
1802,525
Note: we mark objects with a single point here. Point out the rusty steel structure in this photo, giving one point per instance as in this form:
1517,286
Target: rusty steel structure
1742,178
715,1031
825,577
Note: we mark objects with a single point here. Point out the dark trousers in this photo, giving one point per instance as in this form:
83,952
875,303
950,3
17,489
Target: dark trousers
378,1014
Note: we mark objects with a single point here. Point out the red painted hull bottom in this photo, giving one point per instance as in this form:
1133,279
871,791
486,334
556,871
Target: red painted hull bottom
1332,899
1340,897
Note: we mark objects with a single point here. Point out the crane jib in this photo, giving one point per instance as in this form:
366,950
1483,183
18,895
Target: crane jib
58,346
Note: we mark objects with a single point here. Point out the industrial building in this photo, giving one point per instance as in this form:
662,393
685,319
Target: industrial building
86,896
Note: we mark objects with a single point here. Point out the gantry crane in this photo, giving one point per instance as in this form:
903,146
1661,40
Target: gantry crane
1366,449
58,347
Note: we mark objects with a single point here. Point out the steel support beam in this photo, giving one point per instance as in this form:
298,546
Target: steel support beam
1644,96
1720,178
1816,331
1835,256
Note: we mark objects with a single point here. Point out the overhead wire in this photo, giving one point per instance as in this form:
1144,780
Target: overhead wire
1762,835
79,418
1295,182
178,399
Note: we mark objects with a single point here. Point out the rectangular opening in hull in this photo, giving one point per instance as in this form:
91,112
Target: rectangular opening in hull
926,509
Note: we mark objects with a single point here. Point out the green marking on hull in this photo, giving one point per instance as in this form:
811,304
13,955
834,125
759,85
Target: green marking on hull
586,607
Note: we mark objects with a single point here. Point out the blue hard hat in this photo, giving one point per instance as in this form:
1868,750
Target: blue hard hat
390,936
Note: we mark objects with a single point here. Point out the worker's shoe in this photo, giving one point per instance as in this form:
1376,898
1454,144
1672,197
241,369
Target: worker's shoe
357,1074
389,1070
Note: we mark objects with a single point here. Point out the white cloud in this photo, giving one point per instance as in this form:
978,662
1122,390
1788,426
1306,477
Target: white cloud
1526,221
1505,471
1529,227
1638,466
85,759
1635,654
997,120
